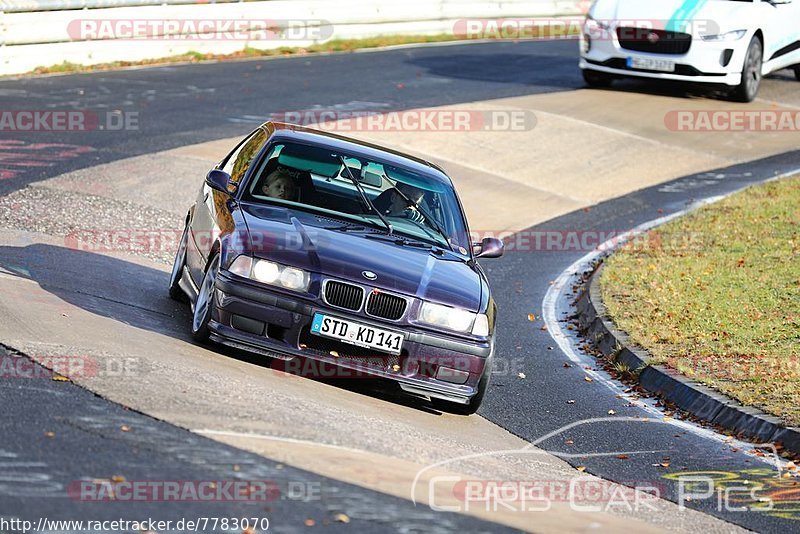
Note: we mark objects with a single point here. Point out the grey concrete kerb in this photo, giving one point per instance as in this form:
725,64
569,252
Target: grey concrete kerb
697,399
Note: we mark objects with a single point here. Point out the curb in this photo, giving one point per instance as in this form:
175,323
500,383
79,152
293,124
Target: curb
697,399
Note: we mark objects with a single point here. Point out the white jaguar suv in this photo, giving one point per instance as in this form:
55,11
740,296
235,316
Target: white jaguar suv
730,43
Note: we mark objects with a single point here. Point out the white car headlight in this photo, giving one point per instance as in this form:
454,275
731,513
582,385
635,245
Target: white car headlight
268,272
725,37
593,28
456,319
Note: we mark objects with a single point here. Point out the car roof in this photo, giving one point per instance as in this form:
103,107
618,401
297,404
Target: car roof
292,132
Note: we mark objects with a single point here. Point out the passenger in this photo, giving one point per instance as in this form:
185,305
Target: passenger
280,184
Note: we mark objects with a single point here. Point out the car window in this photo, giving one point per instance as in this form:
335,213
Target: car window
239,160
313,177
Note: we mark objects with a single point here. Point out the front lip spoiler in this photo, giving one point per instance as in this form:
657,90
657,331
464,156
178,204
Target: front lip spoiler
228,336
228,285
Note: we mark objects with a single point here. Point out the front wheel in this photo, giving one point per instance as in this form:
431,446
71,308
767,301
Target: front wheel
175,291
205,302
474,402
594,78
747,90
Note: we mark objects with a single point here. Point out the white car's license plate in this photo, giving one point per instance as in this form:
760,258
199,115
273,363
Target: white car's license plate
649,63
357,334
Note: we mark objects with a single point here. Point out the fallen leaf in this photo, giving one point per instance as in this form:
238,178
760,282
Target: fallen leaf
236,467
117,478
581,468
587,379
531,317
249,530
334,354
341,518
125,428
544,327
622,457
664,464
521,375
567,365
50,434
303,346
611,412
395,368
59,378
571,401
569,442
309,522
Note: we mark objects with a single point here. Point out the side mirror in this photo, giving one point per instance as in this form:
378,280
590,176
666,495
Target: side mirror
490,247
219,180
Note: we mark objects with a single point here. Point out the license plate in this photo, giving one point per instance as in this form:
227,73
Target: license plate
357,334
649,63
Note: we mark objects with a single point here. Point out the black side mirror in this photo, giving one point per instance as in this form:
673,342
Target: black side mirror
490,247
220,180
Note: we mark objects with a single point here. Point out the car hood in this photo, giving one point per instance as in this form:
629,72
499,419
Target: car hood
296,238
709,16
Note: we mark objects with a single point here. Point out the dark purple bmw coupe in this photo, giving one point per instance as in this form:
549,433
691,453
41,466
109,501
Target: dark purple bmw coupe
307,244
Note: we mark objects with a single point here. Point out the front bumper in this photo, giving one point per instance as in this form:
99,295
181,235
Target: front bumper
705,62
259,320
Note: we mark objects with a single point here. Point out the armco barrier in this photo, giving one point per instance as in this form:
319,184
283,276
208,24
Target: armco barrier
31,37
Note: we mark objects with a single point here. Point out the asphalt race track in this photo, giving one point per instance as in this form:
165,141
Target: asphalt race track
183,105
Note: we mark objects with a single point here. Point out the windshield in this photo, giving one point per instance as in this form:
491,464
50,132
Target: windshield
308,177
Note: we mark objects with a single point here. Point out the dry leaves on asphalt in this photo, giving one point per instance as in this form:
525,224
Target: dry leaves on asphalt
341,518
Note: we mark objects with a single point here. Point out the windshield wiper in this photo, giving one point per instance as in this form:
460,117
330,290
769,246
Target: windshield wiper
428,217
364,196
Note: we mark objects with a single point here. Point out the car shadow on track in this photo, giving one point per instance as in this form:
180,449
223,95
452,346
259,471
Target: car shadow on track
136,294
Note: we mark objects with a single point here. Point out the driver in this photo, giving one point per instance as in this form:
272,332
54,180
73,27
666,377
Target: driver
397,206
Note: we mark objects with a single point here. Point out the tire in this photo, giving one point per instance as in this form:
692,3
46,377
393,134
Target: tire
175,291
747,90
474,403
205,302
797,72
594,78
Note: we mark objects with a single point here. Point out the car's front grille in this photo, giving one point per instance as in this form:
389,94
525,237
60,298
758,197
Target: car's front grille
654,41
359,357
386,306
344,295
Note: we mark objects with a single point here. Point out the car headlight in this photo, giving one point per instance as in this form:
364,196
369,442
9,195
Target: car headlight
594,27
456,319
268,272
725,37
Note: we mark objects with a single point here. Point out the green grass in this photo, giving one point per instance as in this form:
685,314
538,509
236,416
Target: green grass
335,45
716,296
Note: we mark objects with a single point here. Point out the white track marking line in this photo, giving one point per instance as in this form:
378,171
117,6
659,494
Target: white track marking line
557,291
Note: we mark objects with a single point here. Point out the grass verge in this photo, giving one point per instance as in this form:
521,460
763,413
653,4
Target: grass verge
335,45
716,296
